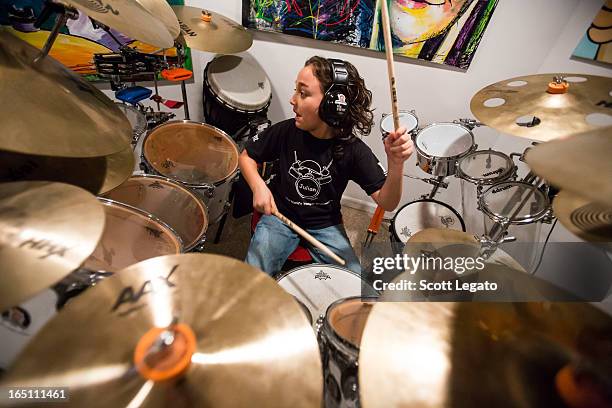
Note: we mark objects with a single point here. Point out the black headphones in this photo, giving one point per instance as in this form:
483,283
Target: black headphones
334,107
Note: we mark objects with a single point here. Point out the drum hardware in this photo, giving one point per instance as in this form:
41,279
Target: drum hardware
80,121
469,123
199,290
551,115
50,227
64,13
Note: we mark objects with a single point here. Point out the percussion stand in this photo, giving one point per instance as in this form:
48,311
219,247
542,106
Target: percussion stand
180,51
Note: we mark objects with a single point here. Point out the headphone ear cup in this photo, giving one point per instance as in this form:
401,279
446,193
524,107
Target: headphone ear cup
334,108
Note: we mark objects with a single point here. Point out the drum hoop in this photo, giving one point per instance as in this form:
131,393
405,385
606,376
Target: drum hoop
498,218
136,133
143,156
425,200
193,195
411,113
226,104
330,329
109,202
455,157
502,177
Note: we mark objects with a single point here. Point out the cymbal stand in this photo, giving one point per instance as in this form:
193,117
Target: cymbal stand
180,51
64,13
437,182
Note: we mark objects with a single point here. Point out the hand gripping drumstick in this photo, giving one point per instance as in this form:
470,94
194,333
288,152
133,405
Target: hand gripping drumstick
309,238
379,213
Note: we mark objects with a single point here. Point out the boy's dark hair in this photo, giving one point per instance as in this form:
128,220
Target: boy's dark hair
360,118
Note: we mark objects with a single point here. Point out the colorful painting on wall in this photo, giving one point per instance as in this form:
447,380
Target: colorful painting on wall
596,44
78,40
442,31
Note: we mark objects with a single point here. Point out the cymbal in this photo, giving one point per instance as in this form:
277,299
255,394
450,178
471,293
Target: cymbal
164,13
131,17
220,34
239,340
560,114
95,174
583,218
46,231
475,354
53,112
580,164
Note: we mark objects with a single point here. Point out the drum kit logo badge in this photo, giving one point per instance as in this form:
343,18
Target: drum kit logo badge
322,275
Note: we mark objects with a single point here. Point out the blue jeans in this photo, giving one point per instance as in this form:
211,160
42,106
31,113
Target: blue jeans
274,241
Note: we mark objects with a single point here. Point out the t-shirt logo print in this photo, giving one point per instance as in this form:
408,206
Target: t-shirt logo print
309,177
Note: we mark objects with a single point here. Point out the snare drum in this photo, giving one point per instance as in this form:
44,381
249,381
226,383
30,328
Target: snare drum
169,201
199,156
339,342
131,235
317,286
440,145
421,214
407,119
137,120
235,91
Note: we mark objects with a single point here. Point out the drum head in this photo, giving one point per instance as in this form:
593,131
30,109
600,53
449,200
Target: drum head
172,203
501,202
485,167
137,120
239,83
348,317
130,236
318,286
406,119
445,140
191,152
421,214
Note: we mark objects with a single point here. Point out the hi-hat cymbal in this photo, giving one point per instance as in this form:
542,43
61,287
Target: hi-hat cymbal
206,30
131,17
164,13
95,174
560,115
52,111
580,164
46,231
587,220
238,340
476,354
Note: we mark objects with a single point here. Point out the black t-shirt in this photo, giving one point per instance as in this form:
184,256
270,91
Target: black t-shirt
310,182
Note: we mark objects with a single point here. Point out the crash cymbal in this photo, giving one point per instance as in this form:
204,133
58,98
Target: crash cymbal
164,13
52,111
238,340
580,164
46,231
560,115
206,30
132,18
95,174
583,218
477,354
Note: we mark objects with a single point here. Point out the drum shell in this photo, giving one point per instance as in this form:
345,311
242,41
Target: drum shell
436,165
393,230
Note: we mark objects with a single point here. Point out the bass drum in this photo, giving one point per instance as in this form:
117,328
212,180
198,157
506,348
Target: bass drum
421,214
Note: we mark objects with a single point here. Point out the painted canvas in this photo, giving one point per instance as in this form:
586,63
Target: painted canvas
442,31
596,44
78,40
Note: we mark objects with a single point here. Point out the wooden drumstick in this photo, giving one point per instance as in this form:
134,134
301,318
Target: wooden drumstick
309,238
390,68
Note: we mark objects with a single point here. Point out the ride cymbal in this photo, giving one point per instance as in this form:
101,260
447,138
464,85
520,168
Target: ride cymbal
46,231
228,336
95,174
477,354
583,218
502,104
206,30
132,18
50,111
580,164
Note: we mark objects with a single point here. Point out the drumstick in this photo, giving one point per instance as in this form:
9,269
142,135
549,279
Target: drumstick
309,238
390,68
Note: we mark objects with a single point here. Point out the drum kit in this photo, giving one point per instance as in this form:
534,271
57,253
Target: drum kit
142,323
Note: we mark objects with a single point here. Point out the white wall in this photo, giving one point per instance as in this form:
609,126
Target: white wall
524,37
